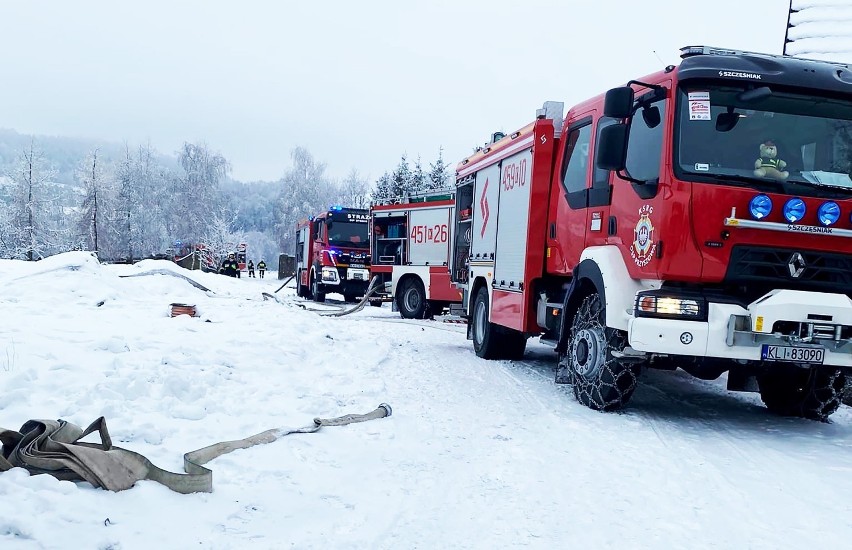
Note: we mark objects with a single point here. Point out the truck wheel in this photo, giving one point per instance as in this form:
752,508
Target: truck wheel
813,393
317,292
411,299
350,297
486,337
600,381
302,291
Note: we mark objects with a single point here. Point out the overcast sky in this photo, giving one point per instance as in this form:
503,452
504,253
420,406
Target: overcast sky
356,83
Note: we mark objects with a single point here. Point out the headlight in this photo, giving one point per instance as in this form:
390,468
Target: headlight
329,275
828,213
691,308
760,206
794,210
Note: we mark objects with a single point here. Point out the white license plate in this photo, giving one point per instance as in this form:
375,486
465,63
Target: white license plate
793,354
356,265
358,276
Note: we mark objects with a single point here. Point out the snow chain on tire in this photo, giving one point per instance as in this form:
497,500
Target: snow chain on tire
813,393
53,447
600,380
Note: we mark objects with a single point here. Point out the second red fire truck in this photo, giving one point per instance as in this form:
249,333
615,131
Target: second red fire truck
333,254
411,252
697,218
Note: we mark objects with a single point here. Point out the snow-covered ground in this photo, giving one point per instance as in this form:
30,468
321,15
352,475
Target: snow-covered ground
477,454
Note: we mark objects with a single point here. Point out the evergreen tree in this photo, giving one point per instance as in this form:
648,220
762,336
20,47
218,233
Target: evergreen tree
383,189
439,173
419,182
401,179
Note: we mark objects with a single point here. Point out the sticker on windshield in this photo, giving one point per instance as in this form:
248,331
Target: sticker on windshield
701,167
699,105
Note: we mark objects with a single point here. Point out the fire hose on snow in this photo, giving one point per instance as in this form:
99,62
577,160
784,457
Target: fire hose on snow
53,447
372,289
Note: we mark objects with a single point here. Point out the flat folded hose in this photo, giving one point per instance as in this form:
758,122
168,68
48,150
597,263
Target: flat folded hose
53,447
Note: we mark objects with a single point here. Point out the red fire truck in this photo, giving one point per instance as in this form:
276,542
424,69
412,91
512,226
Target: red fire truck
711,233
333,254
411,252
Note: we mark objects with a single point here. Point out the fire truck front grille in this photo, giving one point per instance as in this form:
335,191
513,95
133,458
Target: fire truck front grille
763,268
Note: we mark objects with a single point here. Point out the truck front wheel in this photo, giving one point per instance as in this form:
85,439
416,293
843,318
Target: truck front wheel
600,381
813,393
317,291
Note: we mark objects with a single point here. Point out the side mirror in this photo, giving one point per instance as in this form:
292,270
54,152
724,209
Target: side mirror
618,102
651,116
755,95
725,122
612,148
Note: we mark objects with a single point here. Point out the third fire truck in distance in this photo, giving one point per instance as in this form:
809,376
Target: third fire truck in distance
697,218
333,254
411,252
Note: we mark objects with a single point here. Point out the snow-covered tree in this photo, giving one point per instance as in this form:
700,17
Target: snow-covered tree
33,212
440,176
383,189
196,192
97,208
419,182
354,191
305,191
401,178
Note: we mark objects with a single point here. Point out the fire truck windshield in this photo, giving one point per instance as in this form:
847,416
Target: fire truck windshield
764,138
348,234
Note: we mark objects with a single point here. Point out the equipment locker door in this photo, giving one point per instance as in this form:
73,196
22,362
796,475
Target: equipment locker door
428,236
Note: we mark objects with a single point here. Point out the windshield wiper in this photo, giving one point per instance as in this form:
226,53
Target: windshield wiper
820,185
736,177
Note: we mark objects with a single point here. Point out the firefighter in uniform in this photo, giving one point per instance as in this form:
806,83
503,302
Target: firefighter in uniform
261,268
230,266
251,268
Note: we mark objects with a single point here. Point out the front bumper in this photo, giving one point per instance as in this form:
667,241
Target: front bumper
780,318
340,275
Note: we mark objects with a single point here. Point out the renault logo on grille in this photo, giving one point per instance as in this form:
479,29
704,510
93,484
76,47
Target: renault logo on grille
796,265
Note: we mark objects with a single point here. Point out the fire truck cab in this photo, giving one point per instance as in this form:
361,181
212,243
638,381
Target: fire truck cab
333,254
697,218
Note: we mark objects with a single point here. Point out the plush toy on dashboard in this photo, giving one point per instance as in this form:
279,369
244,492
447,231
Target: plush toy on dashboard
768,165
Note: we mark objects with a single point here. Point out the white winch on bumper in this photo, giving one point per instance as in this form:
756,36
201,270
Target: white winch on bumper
782,326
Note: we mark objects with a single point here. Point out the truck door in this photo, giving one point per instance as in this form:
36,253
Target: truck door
568,217
599,225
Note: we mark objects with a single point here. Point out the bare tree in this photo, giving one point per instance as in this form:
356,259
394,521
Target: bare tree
196,197
354,191
305,191
31,204
96,211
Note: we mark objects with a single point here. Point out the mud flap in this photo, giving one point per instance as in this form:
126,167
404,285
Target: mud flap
742,380
562,370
